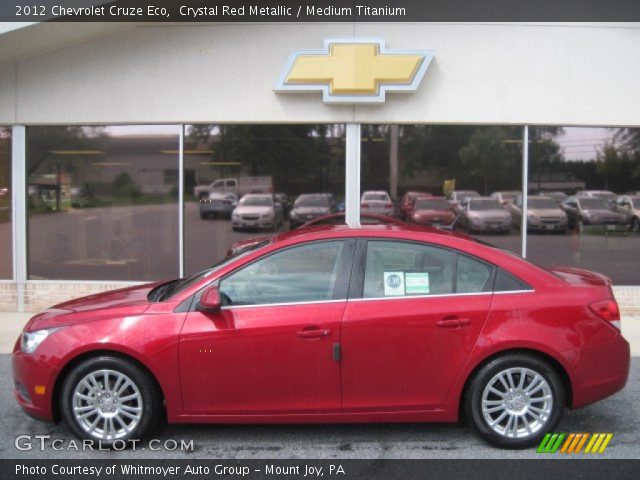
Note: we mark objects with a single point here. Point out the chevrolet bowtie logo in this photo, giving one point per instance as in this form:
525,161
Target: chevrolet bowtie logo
354,70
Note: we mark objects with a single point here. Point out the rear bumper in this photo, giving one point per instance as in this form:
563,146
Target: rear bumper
601,370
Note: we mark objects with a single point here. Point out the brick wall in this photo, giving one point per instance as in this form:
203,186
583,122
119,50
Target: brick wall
8,297
41,295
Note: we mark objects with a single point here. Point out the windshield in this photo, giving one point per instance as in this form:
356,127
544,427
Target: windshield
508,196
312,201
170,289
542,203
485,205
432,205
462,195
381,197
253,201
597,203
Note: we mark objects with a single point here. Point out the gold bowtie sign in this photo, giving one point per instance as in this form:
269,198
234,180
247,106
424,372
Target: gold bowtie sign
354,70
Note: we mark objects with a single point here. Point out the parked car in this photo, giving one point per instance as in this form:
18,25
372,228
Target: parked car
484,214
606,195
456,198
238,342
591,211
431,211
629,207
218,204
544,214
240,186
257,211
406,203
309,206
376,201
506,197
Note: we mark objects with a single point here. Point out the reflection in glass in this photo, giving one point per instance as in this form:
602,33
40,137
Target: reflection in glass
6,259
448,163
102,202
286,162
592,176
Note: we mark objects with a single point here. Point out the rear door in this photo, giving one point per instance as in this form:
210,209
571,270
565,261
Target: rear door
414,314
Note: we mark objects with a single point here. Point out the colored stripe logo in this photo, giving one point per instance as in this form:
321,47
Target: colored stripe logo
574,443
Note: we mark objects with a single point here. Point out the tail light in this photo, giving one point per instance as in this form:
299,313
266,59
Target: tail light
608,311
388,205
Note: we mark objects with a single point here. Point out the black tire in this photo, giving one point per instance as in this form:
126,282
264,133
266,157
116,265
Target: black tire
474,393
635,224
203,216
151,399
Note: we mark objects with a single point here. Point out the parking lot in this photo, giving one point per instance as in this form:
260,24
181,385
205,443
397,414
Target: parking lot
207,241
619,415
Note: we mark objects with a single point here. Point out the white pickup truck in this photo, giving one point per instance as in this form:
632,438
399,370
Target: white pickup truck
239,186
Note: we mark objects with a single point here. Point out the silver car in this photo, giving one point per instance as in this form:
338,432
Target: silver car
257,211
376,201
629,207
543,214
484,214
591,211
218,204
506,198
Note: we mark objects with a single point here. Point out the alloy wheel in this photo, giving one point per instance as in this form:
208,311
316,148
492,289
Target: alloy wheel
107,404
517,402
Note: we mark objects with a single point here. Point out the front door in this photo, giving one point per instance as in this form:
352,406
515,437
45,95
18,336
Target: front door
269,350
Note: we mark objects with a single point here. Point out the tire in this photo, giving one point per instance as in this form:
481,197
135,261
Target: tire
635,224
203,216
510,407
139,412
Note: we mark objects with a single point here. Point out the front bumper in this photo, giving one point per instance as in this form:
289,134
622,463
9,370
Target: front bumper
33,383
256,224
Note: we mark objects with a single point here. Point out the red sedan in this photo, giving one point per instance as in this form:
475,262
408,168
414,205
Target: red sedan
431,211
332,324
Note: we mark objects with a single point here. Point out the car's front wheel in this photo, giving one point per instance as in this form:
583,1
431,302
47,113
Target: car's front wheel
108,400
514,400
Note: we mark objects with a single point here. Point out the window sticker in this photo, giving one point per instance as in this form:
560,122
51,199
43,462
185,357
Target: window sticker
393,284
416,283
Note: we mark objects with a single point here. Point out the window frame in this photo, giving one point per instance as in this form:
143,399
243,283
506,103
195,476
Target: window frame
340,289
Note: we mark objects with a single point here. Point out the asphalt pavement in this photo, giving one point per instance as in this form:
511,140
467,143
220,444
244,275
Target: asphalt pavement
619,415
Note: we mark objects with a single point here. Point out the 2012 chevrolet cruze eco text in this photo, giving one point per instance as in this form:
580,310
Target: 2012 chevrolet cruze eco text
382,323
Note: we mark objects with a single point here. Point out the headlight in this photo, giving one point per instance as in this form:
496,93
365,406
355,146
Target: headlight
31,340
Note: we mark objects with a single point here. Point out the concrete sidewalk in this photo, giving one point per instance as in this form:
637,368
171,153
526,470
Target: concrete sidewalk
11,324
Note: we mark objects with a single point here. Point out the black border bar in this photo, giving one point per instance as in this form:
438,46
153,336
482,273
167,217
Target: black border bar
230,11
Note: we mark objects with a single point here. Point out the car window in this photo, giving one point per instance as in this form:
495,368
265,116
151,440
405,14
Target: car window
305,273
397,269
473,276
231,183
506,282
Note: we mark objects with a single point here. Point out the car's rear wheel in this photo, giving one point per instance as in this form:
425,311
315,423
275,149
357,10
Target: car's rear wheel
513,400
110,401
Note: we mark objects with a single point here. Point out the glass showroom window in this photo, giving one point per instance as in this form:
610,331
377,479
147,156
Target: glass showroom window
102,202
247,182
6,259
584,203
459,177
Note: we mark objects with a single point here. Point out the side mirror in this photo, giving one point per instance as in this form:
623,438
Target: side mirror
210,300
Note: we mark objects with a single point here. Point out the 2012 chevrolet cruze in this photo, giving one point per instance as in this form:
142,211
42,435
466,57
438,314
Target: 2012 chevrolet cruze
383,323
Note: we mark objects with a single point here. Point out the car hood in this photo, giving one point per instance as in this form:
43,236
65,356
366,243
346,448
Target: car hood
433,213
255,210
122,302
547,212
